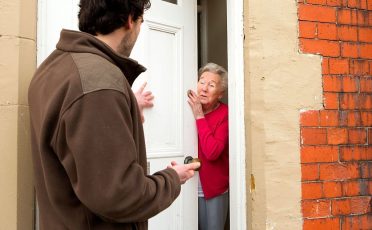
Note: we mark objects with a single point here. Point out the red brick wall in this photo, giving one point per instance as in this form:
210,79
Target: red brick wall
336,142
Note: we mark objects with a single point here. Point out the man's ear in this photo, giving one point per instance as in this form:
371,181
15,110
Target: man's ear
129,25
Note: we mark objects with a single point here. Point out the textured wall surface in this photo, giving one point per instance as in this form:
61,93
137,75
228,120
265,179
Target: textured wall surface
17,64
336,142
279,83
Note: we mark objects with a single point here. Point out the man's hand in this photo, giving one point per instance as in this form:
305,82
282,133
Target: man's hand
144,99
184,171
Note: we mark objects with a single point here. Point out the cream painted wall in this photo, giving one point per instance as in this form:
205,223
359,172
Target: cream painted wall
17,64
279,83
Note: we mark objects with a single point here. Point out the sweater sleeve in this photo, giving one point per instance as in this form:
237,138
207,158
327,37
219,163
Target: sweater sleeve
212,143
99,154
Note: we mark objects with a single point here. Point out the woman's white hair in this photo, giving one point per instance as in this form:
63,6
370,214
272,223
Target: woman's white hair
216,69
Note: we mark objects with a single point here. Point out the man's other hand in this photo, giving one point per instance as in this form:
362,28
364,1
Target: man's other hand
184,171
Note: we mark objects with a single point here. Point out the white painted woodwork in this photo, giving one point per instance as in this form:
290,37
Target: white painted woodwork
53,15
167,47
237,134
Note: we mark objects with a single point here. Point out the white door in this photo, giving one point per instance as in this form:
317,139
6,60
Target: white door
167,47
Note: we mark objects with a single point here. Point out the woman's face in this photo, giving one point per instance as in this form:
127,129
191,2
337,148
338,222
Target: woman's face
209,89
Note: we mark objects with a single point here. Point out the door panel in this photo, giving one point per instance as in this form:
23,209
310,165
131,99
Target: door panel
165,83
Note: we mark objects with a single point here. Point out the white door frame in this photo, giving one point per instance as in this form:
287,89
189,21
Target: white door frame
235,40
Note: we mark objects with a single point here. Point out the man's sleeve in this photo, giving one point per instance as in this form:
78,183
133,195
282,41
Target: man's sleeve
100,159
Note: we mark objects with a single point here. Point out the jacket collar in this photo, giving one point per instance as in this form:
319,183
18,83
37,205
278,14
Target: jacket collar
80,42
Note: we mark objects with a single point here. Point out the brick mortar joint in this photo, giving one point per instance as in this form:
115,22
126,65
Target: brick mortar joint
335,216
334,6
338,198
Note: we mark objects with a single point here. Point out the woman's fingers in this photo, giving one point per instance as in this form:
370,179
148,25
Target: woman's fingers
191,103
191,93
192,96
195,104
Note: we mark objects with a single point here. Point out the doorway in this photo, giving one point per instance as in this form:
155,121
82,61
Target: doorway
212,41
220,40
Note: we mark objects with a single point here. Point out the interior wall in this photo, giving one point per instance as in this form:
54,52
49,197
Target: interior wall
217,32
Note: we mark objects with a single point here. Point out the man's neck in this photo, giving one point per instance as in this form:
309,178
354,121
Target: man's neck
112,39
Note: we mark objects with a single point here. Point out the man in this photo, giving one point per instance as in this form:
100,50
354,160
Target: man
87,137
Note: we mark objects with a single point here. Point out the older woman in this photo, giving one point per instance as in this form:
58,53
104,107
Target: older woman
211,117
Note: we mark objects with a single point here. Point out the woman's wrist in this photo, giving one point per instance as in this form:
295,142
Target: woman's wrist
199,117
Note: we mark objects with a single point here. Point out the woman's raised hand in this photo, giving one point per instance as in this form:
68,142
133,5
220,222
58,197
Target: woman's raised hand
195,104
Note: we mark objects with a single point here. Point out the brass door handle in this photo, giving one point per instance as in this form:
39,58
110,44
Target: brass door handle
190,159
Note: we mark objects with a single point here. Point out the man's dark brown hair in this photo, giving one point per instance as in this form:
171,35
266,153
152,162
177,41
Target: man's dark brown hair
105,16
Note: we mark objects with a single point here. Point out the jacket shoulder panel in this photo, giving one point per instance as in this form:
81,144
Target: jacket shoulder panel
97,73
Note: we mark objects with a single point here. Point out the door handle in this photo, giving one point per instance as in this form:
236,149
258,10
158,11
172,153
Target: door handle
190,159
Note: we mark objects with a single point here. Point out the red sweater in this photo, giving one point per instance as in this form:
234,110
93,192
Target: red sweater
213,135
